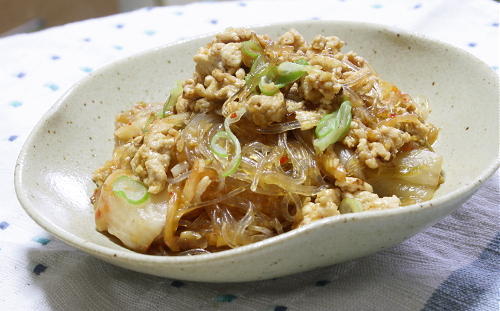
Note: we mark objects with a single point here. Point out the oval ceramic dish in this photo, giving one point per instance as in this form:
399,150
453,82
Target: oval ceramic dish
53,172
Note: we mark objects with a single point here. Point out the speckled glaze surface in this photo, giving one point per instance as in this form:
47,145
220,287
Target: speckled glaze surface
53,172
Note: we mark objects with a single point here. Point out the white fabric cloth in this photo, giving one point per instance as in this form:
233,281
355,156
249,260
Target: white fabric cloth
453,265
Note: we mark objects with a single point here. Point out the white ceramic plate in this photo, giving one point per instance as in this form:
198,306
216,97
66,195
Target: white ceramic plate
53,172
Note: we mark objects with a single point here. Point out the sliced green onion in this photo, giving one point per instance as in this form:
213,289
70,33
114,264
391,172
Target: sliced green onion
260,68
234,165
251,48
172,98
323,127
289,72
215,147
236,160
287,68
333,127
301,61
131,190
273,78
349,205
257,65
150,120
268,87
270,78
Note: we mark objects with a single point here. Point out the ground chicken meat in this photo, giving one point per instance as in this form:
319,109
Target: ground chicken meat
327,63
320,87
208,58
216,87
353,184
375,145
221,56
219,74
321,44
264,110
293,38
234,35
100,175
294,106
143,146
231,55
371,201
153,158
121,159
325,205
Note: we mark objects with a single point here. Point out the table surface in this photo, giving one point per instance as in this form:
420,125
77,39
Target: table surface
452,265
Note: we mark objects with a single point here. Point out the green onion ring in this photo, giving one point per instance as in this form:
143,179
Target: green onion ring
131,190
216,148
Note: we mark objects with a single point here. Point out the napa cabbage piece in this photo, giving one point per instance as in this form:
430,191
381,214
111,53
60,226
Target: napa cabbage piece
413,176
135,224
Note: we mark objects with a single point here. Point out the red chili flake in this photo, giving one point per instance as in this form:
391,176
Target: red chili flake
283,160
170,193
233,115
392,115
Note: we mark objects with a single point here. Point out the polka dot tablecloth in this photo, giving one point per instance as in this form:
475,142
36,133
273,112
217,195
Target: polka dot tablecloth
453,265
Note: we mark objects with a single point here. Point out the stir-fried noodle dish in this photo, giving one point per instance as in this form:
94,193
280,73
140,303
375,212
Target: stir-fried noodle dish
265,137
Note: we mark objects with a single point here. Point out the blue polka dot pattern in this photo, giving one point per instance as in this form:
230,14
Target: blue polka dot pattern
21,75
177,284
472,44
178,13
225,298
495,24
214,21
118,47
87,39
52,86
86,69
3,225
322,283
38,269
12,137
16,103
417,6
149,32
41,240
55,57
377,6
119,26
